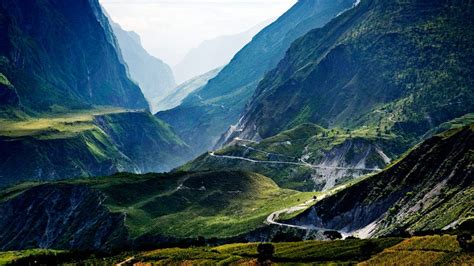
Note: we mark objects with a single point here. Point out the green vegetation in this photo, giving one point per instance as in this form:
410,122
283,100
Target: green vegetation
92,142
301,148
54,125
74,65
346,252
428,189
373,67
187,205
12,257
220,204
426,250
4,80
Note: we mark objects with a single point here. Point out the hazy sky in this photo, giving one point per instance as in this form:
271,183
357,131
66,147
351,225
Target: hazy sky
170,28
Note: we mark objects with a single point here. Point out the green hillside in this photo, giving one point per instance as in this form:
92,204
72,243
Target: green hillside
425,250
398,66
91,142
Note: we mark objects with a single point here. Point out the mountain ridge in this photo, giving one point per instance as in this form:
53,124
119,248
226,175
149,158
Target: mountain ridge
216,106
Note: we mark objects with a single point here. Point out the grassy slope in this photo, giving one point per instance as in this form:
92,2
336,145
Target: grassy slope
430,250
426,250
55,125
9,257
186,205
91,142
219,204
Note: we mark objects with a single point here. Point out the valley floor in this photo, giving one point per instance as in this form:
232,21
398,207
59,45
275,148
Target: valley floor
421,250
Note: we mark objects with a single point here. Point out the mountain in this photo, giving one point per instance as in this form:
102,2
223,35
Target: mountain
154,77
401,67
208,112
88,143
214,53
62,54
430,188
176,97
67,105
130,211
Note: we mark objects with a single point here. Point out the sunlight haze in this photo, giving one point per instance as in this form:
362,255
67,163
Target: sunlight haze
169,29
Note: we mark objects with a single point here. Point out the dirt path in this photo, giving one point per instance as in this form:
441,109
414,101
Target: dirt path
212,154
273,217
125,261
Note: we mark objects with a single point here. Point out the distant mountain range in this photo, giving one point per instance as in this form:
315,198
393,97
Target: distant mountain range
214,53
154,77
176,97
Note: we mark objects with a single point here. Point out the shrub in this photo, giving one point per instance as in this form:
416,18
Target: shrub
367,248
333,235
265,252
465,241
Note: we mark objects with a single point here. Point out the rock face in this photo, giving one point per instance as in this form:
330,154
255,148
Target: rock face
377,65
208,112
154,76
63,54
37,219
431,188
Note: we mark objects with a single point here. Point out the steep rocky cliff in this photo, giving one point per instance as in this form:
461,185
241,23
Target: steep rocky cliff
60,216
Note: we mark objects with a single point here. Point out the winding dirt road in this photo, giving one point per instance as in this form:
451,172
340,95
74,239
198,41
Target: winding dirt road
212,154
273,217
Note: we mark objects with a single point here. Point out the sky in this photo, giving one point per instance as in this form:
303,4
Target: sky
170,28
